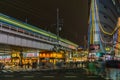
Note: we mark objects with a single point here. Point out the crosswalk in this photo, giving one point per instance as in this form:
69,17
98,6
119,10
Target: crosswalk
5,71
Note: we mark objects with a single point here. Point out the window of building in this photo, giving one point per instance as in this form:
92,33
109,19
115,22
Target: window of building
105,17
113,2
105,26
118,9
105,7
13,29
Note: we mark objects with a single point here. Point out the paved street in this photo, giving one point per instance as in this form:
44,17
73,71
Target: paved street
47,75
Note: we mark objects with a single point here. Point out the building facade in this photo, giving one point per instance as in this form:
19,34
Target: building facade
103,19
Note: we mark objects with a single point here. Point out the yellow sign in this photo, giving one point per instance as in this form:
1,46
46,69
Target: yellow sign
107,49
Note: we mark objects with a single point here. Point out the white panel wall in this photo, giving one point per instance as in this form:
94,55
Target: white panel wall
17,41
11,39
24,42
3,38
29,43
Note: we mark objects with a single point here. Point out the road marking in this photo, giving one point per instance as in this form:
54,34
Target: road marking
28,76
38,73
4,71
70,76
70,73
92,76
53,73
23,73
8,75
49,76
9,70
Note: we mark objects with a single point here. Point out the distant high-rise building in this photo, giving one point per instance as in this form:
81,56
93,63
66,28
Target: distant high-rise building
103,19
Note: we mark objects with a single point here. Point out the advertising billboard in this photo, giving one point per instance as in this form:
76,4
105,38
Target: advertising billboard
30,54
94,47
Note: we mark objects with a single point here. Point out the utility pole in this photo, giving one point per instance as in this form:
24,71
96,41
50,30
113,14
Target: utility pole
57,27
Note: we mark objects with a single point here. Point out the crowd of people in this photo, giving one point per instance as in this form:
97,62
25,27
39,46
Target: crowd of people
2,65
109,68
12,66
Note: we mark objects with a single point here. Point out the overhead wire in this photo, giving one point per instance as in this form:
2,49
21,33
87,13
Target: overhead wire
22,6
92,30
28,10
35,10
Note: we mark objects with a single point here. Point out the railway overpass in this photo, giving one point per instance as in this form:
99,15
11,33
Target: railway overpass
17,36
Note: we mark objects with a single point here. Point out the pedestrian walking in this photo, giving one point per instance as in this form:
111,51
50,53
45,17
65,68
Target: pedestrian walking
91,68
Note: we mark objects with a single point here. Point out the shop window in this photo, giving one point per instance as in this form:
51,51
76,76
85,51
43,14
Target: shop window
13,29
36,35
105,26
101,1
105,36
31,34
105,17
26,32
20,30
114,2
118,9
6,27
105,7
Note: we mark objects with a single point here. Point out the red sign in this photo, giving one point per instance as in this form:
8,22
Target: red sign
94,46
30,54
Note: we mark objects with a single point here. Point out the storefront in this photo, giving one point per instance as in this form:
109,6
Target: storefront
51,57
5,58
30,57
15,57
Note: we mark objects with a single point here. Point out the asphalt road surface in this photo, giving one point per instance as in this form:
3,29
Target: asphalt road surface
47,75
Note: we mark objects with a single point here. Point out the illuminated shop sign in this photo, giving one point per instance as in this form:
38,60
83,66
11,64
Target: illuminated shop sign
15,55
51,55
94,46
72,47
30,54
0,57
5,57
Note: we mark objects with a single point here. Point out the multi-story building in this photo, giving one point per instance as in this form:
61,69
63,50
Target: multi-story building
103,24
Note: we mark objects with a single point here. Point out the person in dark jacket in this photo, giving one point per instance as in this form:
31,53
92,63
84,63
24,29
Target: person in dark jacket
113,68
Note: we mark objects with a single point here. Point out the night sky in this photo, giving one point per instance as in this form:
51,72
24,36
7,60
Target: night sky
42,13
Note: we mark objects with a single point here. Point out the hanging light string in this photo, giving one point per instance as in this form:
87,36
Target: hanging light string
105,32
117,45
100,35
110,42
92,30
92,20
92,25
111,34
100,41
